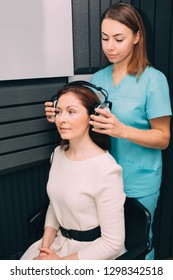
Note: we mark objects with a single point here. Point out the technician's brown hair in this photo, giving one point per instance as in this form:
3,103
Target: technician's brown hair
90,101
129,16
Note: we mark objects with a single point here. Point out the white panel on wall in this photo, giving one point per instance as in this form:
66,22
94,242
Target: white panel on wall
35,39
83,77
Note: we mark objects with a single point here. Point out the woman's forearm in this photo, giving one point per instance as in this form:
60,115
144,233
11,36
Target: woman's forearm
48,237
152,138
157,137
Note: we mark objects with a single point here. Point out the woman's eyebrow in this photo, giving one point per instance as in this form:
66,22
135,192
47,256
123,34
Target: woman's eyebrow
70,106
115,35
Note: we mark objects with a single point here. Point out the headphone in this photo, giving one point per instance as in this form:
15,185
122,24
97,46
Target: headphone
106,104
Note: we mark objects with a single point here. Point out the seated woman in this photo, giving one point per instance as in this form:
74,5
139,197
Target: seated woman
85,217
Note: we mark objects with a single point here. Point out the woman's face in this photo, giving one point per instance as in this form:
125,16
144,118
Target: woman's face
118,41
72,119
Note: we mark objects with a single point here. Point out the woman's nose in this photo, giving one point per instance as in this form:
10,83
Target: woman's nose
110,45
63,117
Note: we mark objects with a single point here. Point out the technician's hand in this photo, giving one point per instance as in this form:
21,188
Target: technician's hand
47,254
50,111
107,123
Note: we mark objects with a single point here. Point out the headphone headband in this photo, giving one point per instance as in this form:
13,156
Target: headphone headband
90,85
105,103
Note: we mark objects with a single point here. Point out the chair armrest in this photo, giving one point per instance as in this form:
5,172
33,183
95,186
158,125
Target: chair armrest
37,218
36,223
138,253
134,254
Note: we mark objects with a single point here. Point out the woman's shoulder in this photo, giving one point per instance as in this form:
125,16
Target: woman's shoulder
153,73
103,72
110,162
58,150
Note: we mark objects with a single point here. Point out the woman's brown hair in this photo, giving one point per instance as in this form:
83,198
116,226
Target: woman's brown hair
129,16
90,101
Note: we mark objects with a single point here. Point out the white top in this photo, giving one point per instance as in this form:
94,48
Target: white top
83,195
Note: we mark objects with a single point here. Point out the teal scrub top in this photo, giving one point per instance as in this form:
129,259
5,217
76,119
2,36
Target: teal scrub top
134,103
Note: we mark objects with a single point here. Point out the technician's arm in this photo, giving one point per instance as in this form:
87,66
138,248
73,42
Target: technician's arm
157,137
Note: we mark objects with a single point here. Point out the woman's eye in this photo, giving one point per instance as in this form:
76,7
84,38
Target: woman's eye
57,112
119,40
71,112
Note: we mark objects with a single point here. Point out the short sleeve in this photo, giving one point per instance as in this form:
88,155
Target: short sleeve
158,99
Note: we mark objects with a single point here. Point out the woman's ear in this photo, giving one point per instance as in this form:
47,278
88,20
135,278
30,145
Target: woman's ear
136,38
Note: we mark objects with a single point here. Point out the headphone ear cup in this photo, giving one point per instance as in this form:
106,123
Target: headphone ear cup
54,101
93,112
105,105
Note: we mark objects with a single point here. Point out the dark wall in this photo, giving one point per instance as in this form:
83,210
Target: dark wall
27,139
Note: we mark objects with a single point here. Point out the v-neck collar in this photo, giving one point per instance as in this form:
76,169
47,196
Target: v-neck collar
120,83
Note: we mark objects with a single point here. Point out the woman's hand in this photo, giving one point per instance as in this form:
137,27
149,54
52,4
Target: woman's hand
50,111
46,254
107,123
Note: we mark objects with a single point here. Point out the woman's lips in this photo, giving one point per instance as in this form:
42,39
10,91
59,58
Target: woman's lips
63,129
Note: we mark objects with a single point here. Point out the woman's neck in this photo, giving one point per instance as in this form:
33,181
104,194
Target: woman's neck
118,73
120,67
83,150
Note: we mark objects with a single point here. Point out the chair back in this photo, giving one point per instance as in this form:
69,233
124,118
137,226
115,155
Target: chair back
137,223
137,227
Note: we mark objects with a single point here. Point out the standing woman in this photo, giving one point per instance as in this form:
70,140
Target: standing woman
139,122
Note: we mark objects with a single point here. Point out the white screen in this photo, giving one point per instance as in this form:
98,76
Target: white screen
35,39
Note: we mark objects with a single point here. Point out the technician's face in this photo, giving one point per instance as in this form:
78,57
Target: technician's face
117,41
72,119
